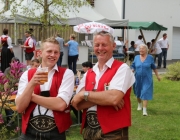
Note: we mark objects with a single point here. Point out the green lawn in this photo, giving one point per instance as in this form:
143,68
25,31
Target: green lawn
163,120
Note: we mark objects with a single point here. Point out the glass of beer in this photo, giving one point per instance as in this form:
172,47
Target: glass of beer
44,71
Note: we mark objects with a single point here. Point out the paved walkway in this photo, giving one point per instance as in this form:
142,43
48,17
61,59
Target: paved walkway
163,70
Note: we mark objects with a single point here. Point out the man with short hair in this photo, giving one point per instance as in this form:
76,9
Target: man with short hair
61,44
104,94
45,105
137,44
158,53
29,48
164,44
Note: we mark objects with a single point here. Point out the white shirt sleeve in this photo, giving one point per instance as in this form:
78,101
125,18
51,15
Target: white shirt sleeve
9,42
22,83
67,86
123,79
30,43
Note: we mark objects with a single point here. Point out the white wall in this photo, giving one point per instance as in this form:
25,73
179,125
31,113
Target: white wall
111,9
163,12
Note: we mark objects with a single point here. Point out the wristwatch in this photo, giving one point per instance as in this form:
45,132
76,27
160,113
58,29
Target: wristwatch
86,95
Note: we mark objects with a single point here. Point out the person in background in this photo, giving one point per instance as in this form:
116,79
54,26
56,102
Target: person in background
73,53
104,94
149,47
121,40
45,102
158,53
86,66
143,65
32,36
61,44
137,44
7,50
132,49
164,44
35,63
29,48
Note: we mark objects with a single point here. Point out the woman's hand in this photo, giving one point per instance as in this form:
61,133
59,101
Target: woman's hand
159,79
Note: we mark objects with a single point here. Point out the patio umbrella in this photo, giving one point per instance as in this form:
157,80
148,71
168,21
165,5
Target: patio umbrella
92,27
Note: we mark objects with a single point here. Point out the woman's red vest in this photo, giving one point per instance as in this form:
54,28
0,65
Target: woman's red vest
4,41
109,119
29,50
62,119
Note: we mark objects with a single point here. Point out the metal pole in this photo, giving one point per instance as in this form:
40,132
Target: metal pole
15,36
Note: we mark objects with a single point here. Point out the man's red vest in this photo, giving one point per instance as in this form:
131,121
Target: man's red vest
62,119
109,119
29,50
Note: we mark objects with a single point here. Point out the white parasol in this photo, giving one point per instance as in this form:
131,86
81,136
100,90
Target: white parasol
92,27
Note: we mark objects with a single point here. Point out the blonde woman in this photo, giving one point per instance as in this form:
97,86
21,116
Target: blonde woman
143,87
73,53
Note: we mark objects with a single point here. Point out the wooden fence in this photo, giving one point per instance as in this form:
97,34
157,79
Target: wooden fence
16,31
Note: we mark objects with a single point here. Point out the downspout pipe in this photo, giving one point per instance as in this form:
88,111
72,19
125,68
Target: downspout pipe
123,14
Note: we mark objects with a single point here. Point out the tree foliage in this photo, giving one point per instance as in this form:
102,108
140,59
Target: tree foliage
48,12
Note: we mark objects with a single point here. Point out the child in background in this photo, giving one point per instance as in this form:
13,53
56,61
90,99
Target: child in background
35,63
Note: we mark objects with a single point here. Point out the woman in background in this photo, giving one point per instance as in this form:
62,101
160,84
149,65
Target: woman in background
7,50
73,53
143,87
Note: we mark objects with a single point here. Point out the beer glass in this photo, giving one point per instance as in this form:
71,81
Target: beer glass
44,71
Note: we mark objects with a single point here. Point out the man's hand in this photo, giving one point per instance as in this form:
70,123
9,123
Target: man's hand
77,99
22,46
39,78
120,105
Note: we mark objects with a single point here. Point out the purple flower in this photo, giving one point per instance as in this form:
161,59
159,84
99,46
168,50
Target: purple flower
16,69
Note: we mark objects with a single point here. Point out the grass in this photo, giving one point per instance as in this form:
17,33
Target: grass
162,122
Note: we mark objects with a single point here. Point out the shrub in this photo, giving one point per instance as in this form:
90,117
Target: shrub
8,86
173,71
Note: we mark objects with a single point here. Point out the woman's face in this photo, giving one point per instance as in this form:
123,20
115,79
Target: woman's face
142,50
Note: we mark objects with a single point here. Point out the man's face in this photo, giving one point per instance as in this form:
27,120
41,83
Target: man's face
27,35
164,37
50,54
103,48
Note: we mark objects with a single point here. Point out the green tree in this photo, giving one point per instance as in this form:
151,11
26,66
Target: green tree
48,12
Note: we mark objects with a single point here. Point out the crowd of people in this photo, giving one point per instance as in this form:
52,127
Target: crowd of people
103,92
